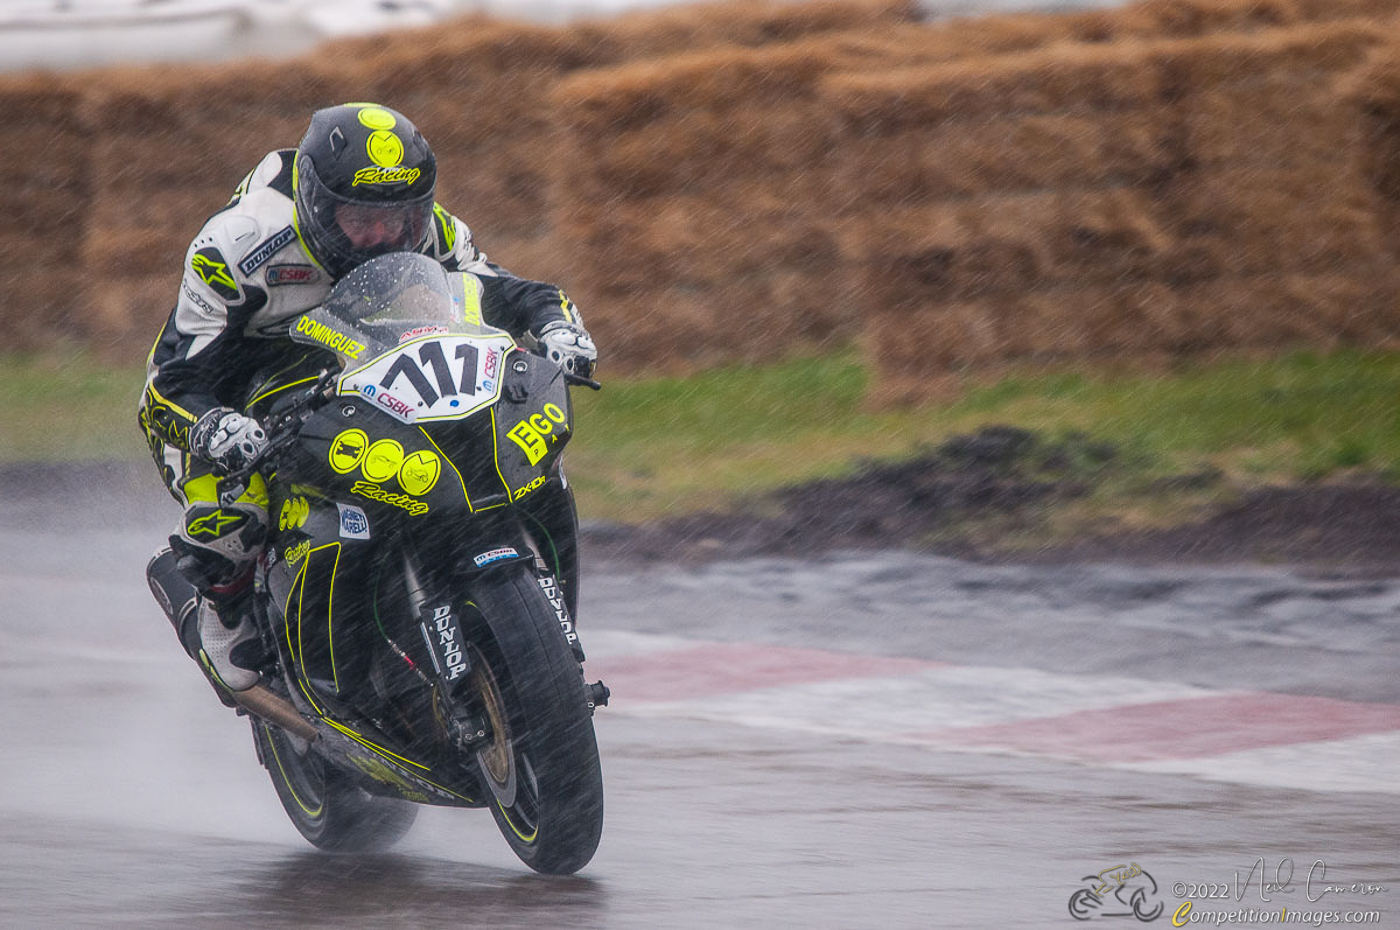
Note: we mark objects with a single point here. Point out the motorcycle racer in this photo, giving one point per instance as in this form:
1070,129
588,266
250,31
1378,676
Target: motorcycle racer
361,183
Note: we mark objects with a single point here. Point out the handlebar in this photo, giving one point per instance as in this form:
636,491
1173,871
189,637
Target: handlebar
281,429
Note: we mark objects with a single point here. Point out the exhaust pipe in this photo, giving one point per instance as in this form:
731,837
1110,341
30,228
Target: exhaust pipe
262,702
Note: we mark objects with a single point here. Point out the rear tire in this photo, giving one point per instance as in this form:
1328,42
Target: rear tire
542,762
326,807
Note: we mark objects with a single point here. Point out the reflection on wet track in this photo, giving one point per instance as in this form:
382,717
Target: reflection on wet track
873,740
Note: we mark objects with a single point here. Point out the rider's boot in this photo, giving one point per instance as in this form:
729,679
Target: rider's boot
186,608
228,647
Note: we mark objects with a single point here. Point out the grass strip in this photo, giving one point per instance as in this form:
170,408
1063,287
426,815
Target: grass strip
645,448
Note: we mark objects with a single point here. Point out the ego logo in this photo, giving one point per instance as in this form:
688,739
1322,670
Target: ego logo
530,434
295,510
347,450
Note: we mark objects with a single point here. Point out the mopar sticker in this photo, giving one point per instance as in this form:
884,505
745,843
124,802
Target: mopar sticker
495,555
353,522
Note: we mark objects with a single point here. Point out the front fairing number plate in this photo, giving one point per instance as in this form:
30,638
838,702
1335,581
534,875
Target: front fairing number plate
439,377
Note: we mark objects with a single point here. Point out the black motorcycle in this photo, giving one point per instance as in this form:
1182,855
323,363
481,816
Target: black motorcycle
419,644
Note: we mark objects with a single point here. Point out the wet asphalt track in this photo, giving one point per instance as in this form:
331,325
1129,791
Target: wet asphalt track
785,795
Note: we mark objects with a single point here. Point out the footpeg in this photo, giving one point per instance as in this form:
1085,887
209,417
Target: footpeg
598,694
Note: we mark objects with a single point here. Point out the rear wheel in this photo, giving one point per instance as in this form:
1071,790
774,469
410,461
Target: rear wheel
326,807
540,762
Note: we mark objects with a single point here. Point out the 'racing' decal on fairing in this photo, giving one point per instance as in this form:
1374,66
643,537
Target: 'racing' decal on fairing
374,492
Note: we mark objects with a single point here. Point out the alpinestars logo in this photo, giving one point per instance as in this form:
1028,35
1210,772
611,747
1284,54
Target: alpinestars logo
213,524
209,264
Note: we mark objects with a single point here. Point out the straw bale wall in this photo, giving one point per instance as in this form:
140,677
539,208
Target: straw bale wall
42,208
882,185
1220,206
134,159
721,182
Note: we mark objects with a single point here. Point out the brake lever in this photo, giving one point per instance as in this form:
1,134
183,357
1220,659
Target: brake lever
581,381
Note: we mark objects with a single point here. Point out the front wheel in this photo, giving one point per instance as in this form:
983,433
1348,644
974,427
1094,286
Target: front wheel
541,760
326,807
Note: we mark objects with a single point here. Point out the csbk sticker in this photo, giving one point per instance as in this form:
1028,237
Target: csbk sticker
278,275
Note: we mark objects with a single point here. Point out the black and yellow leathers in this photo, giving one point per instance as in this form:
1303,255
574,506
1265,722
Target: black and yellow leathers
247,275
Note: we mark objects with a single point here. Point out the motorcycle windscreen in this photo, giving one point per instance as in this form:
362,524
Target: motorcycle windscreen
389,300
410,338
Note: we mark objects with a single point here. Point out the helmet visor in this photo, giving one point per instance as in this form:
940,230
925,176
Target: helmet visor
353,231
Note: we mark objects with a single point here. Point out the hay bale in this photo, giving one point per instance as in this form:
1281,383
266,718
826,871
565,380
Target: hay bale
1014,152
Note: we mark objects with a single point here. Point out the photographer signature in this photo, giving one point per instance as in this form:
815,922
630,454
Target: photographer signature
1316,887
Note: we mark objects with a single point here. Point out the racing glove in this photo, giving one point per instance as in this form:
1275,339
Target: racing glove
569,346
227,439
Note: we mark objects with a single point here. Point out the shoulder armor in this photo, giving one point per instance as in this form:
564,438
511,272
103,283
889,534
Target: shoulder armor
274,171
238,241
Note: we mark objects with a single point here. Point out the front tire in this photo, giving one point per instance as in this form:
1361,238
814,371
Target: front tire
326,807
541,764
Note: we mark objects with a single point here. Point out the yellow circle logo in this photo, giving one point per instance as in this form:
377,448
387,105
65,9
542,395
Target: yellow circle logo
347,450
377,118
295,511
420,472
382,460
385,149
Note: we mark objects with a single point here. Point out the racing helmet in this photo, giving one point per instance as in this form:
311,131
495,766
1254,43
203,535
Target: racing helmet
363,186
